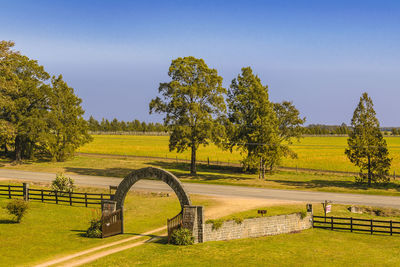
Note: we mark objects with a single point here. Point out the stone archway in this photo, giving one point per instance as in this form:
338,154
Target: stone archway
150,172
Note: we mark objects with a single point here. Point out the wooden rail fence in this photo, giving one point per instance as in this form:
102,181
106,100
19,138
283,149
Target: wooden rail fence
53,196
356,224
173,224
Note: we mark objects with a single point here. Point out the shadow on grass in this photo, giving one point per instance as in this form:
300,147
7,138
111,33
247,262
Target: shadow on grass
335,183
110,172
7,221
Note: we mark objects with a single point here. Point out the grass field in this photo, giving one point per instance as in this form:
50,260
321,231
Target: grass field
313,247
48,230
102,165
321,153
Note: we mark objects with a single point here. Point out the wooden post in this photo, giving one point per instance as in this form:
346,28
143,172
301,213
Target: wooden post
56,197
372,230
41,191
25,191
70,199
331,222
391,228
86,199
351,224
101,195
9,191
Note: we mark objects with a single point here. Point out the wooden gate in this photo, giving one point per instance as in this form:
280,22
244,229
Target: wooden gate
111,224
173,224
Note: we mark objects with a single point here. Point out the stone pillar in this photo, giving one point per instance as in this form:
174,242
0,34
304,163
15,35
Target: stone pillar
193,219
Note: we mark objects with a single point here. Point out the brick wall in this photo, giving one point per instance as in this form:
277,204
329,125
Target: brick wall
257,227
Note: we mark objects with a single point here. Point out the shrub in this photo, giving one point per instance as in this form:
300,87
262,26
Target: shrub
94,230
62,183
303,214
18,208
216,224
182,237
238,220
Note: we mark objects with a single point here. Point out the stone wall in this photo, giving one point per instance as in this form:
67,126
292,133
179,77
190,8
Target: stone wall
257,227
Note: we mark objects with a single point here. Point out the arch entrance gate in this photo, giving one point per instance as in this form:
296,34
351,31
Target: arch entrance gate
191,217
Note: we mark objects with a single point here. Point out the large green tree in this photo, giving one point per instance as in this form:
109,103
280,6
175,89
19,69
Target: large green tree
261,129
366,147
34,113
67,128
193,104
25,91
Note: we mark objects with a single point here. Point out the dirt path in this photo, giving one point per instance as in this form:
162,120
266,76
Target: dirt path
91,250
224,207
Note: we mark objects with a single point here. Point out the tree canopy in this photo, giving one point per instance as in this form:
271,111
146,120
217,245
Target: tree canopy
257,126
33,110
193,104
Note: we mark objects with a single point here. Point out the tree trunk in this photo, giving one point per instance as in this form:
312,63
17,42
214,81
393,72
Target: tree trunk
5,148
193,161
369,171
263,169
18,148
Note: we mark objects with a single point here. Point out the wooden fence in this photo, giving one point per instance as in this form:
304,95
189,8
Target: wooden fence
173,224
53,196
356,225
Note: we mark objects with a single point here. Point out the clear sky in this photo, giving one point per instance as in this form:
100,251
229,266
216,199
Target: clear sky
319,54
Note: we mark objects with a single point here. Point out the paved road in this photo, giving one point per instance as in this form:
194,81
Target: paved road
215,190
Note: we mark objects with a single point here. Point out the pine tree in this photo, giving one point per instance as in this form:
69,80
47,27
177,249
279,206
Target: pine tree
366,147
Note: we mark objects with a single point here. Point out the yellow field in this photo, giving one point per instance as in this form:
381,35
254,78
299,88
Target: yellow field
322,153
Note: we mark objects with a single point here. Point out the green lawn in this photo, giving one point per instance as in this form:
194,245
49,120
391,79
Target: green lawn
50,230
313,247
121,166
322,153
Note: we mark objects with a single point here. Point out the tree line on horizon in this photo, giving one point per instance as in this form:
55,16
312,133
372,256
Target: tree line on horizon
124,126
134,126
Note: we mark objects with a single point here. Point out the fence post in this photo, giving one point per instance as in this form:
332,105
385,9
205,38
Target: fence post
56,197
351,224
331,222
86,199
9,191
101,197
42,194
70,198
371,227
25,191
208,161
391,229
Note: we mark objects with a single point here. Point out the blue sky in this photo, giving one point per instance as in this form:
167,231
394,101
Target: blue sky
319,54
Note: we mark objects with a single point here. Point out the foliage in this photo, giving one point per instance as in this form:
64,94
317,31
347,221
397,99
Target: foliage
182,237
216,224
62,183
366,147
124,126
18,208
94,230
38,117
193,105
67,128
303,214
259,128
